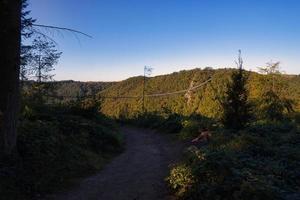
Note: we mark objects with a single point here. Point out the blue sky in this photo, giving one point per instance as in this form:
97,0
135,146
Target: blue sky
169,35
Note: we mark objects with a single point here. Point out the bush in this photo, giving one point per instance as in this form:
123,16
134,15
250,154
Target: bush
172,124
190,129
60,143
181,179
259,163
148,120
191,126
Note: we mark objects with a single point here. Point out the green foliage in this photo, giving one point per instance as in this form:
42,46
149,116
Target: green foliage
206,101
273,107
172,124
147,120
59,143
195,123
236,107
64,92
160,84
275,102
36,93
70,139
68,90
181,179
190,129
168,124
261,162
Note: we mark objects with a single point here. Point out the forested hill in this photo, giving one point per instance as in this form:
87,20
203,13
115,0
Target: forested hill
77,88
205,100
70,90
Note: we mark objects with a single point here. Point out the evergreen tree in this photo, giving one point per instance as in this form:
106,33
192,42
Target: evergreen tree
235,105
273,103
43,58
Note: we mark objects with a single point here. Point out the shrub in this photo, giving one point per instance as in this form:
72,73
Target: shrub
172,124
191,126
258,163
273,107
181,179
59,143
190,129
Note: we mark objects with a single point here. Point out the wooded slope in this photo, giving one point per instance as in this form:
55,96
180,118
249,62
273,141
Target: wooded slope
204,100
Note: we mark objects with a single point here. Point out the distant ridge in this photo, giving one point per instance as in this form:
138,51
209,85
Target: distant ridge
204,100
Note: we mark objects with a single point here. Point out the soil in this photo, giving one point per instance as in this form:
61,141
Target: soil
137,174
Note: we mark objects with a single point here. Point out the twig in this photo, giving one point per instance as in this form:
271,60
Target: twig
62,28
45,36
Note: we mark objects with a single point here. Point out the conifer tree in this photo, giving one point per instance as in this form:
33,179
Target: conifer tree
235,105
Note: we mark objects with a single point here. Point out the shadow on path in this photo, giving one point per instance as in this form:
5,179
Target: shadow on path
137,174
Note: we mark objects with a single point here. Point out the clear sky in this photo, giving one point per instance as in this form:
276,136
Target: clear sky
170,35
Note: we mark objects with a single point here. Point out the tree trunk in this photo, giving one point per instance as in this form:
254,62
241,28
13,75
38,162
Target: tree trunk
10,38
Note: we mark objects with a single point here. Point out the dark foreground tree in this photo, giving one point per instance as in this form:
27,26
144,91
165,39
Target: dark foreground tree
235,105
10,37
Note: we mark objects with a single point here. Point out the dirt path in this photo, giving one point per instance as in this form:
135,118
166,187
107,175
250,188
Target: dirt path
137,174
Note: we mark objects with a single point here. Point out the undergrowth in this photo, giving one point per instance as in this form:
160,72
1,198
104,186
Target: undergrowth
57,144
261,162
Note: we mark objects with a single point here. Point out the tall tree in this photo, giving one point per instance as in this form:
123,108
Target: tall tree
10,37
235,105
271,70
43,58
273,103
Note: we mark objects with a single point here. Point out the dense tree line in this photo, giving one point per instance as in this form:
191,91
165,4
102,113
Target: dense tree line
66,91
206,101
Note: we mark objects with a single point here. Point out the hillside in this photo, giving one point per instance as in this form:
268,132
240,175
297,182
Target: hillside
65,91
78,88
203,101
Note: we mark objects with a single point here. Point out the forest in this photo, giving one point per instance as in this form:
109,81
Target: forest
204,101
203,133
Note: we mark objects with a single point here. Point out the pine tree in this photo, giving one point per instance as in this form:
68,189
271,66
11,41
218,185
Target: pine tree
43,58
235,105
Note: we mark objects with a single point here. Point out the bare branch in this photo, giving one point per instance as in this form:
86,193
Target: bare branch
45,36
62,28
